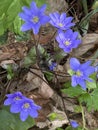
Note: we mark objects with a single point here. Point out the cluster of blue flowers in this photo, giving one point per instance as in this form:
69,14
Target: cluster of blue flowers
34,17
67,39
21,104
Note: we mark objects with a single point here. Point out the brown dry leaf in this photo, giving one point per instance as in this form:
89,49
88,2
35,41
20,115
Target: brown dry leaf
34,81
45,90
57,5
37,82
61,72
6,62
13,51
70,104
91,120
89,42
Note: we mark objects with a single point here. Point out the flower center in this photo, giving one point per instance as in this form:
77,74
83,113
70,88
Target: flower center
78,73
35,19
17,98
26,105
60,24
67,42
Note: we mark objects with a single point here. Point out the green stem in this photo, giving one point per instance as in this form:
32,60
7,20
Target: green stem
83,118
84,3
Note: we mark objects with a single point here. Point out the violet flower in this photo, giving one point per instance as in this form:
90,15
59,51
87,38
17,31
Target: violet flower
68,40
61,21
34,17
81,72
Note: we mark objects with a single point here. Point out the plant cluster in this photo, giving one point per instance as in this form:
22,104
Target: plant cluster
82,86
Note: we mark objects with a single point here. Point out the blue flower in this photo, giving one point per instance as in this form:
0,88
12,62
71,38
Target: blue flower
81,72
34,17
74,124
13,98
20,103
52,66
26,107
68,40
61,21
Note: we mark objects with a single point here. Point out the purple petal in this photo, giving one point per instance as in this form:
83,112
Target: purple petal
15,108
68,20
67,49
74,64
36,28
75,35
44,19
26,27
61,34
82,83
27,11
24,115
54,16
9,95
33,6
8,101
69,33
43,8
23,16
75,43
33,113
69,25
74,124
58,39
74,81
62,17
61,45
53,23
89,70
85,65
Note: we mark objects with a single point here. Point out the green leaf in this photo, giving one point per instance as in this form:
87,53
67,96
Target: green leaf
49,75
84,3
9,121
3,38
95,5
90,99
77,109
84,23
55,115
78,128
41,2
71,72
73,91
30,58
17,25
9,10
59,129
10,73
91,85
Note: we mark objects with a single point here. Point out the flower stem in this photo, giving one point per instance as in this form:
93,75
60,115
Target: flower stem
83,118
